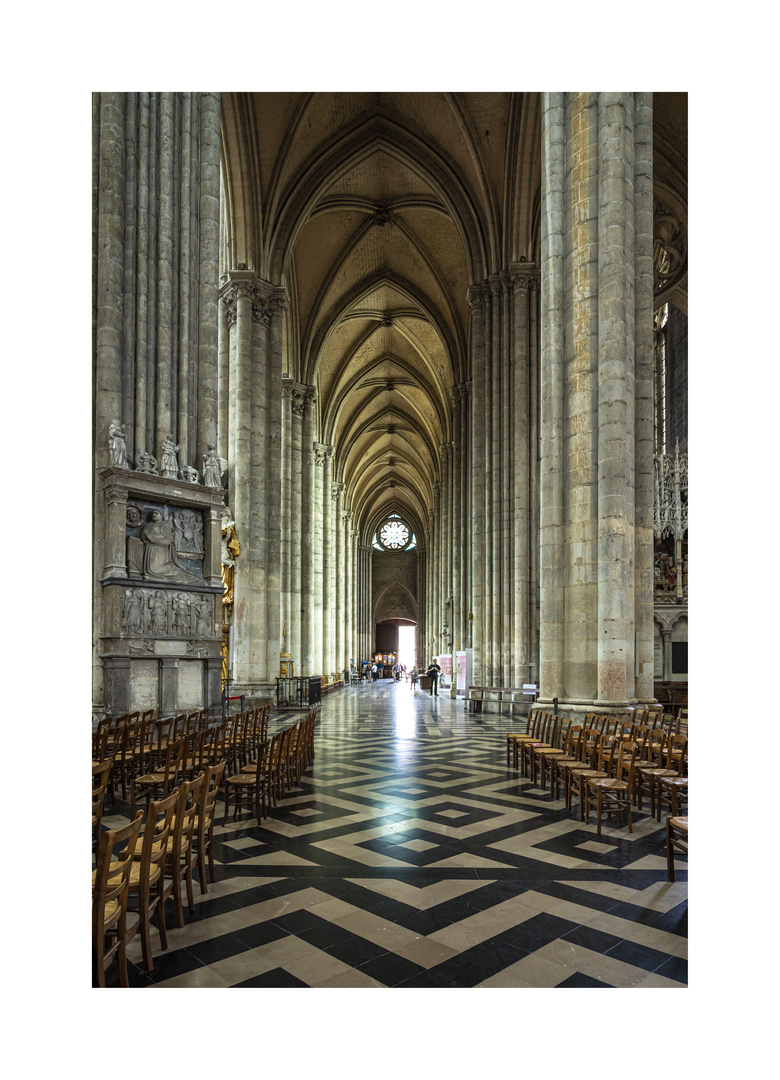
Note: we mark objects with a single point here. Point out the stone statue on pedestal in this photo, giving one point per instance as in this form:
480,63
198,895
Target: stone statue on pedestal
117,445
168,463
212,468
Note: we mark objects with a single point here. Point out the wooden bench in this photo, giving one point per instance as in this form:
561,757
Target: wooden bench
327,684
478,696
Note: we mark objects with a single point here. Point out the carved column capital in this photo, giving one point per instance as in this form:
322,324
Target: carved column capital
475,298
267,300
346,517
446,451
336,490
525,276
322,454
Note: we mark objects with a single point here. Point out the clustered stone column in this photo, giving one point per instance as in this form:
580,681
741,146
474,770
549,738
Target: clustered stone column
503,329
596,643
155,288
254,316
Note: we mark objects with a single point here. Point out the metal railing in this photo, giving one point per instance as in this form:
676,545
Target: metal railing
298,692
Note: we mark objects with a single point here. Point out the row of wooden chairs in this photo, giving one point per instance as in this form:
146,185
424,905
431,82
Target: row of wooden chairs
278,766
139,873
604,763
136,742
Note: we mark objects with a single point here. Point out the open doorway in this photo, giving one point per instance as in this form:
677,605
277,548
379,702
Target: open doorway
407,646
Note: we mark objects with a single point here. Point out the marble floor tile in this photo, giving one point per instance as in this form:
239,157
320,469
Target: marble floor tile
409,855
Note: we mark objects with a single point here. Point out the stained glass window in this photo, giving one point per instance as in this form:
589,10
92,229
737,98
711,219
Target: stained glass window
394,535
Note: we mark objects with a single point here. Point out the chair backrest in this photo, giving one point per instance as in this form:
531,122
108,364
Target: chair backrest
192,807
607,752
641,736
172,763
590,746
158,827
627,755
112,878
215,743
677,753
573,737
100,771
184,819
100,741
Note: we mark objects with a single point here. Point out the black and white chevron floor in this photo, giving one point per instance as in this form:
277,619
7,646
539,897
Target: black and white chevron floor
410,855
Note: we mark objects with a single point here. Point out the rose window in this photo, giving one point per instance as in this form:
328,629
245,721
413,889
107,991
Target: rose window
394,535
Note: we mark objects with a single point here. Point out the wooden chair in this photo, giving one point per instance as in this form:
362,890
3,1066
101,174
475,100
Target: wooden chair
525,748
587,760
542,757
571,756
514,738
600,768
110,882
125,757
676,837
675,752
160,783
672,791
178,856
146,894
204,823
606,793
101,771
250,789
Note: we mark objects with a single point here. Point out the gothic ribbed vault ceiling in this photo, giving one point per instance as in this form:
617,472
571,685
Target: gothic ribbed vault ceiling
377,211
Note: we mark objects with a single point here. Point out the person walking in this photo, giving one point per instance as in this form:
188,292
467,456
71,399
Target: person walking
433,673
374,672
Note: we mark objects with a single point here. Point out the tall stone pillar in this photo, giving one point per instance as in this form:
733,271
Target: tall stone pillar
337,574
525,290
322,460
309,628
479,406
348,644
596,351
155,277
256,467
457,554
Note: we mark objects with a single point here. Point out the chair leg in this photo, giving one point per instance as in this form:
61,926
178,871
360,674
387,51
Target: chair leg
161,912
669,851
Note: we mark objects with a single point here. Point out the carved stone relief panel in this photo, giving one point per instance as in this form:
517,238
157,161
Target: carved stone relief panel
164,543
164,613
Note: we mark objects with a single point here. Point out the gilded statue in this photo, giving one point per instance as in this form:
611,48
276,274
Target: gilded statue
230,552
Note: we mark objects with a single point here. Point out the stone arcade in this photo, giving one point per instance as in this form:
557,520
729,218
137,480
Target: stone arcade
462,313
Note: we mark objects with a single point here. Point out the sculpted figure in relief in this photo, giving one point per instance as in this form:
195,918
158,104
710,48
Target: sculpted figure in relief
201,605
188,474
160,561
133,615
188,530
158,607
168,462
117,444
181,614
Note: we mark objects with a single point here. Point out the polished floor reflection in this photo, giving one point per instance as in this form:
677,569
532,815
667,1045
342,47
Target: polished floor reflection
410,855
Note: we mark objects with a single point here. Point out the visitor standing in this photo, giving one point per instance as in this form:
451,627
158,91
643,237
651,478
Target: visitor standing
374,672
433,673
